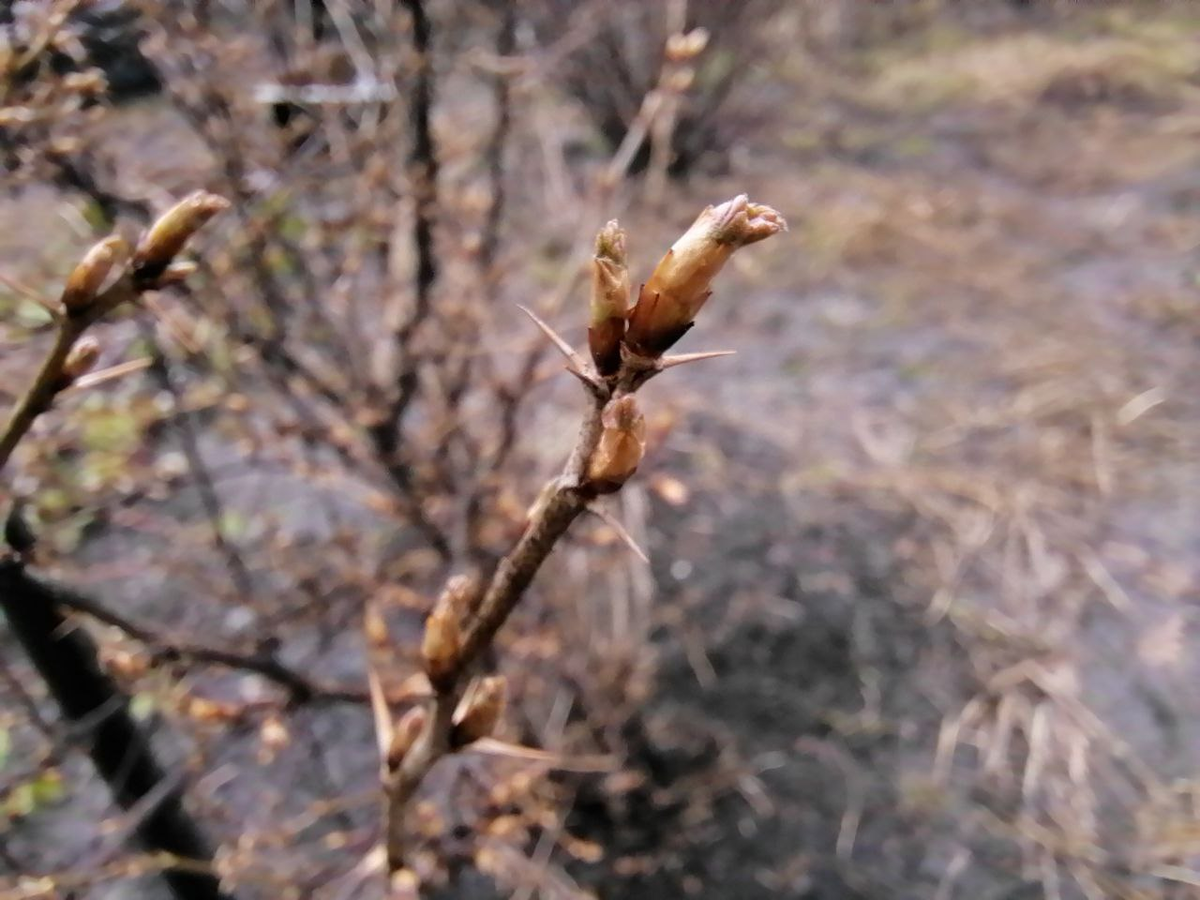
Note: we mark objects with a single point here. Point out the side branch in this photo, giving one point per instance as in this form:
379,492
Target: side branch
300,687
66,659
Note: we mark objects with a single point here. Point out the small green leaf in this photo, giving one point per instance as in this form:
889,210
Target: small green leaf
31,314
141,707
48,787
233,524
93,214
20,801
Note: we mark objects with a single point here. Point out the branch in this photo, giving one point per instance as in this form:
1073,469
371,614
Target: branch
562,502
85,300
423,176
300,687
66,659
627,347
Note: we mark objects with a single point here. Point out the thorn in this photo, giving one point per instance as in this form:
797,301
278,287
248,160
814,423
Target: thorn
615,524
594,387
382,714
51,306
91,379
564,348
591,763
684,358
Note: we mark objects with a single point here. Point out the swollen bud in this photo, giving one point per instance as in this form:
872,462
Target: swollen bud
405,735
166,237
610,299
442,640
81,359
619,450
87,278
481,711
679,286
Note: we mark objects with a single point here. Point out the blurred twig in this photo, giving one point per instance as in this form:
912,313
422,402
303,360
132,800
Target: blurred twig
67,660
301,688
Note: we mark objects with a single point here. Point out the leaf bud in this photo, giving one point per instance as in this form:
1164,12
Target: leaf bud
621,446
481,711
167,236
679,286
89,276
610,299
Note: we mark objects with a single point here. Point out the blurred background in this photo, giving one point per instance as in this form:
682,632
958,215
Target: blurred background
920,617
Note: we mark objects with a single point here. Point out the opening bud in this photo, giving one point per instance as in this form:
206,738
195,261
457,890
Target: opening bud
679,286
480,712
87,278
610,299
621,446
166,237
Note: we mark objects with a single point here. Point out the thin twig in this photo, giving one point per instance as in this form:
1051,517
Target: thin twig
300,687
565,499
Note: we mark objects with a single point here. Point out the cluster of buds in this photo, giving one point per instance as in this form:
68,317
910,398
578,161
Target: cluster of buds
677,289
153,262
681,51
625,340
